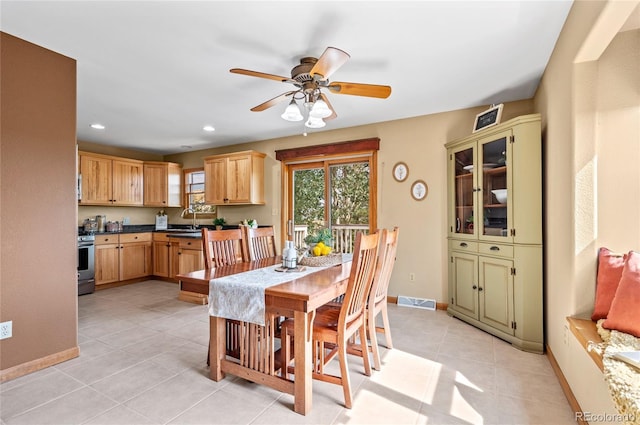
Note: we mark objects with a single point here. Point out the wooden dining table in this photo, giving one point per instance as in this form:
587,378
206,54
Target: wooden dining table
298,298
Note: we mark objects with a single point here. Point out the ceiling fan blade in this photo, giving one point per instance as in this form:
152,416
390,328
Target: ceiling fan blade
329,62
272,102
259,74
326,100
357,89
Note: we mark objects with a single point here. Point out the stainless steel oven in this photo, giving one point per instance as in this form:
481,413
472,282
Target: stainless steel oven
86,270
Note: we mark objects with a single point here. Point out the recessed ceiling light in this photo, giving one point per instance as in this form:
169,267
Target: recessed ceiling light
208,128
97,126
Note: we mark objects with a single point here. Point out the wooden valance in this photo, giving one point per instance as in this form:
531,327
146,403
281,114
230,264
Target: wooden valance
352,146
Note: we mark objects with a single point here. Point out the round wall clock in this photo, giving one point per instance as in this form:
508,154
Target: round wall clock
400,171
419,190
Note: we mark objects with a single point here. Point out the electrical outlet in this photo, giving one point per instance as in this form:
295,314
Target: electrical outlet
565,335
6,329
412,277
126,221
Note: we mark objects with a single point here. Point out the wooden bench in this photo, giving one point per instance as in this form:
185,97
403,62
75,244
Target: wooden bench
586,332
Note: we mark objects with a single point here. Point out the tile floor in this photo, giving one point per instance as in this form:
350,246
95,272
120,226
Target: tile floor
143,358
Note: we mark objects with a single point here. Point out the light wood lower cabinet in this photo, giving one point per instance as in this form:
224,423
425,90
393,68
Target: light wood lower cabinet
122,257
172,256
190,256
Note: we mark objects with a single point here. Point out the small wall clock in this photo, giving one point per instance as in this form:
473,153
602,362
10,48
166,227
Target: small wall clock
419,190
400,171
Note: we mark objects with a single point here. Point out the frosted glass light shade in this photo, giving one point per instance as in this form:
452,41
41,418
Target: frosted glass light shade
320,109
292,112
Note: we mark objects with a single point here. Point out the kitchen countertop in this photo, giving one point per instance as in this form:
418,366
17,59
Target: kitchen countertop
174,232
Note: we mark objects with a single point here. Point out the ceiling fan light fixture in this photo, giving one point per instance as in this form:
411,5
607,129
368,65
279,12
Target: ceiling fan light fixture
292,112
313,122
320,109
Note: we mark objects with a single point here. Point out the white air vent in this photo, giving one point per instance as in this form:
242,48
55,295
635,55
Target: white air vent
416,302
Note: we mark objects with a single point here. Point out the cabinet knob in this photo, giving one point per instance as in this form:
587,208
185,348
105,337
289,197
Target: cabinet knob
135,237
480,288
474,287
188,243
495,248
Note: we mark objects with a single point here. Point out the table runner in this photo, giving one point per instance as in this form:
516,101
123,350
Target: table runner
241,296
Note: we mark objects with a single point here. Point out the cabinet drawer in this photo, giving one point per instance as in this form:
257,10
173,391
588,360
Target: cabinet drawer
135,237
158,236
106,239
464,246
191,243
496,249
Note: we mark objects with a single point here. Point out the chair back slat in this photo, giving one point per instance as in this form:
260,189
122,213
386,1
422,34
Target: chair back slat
223,247
261,242
365,256
386,261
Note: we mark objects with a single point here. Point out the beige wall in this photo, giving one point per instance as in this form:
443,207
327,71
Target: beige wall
590,103
419,142
38,207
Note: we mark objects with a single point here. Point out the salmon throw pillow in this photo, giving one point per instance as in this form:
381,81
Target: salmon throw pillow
624,315
610,265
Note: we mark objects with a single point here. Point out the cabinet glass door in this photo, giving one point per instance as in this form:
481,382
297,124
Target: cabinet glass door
494,197
464,191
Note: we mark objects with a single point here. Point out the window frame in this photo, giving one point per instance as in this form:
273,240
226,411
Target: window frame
186,193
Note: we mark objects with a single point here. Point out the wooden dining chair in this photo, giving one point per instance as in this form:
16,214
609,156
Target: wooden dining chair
332,327
377,303
225,247
260,242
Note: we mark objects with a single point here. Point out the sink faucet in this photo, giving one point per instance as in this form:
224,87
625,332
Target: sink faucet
194,226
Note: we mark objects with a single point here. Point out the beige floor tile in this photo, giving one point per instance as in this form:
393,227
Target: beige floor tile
100,367
120,415
73,408
133,381
127,337
35,392
164,402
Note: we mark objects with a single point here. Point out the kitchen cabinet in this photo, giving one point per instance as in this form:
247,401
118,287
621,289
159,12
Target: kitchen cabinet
190,255
494,222
120,257
162,184
163,256
235,178
108,180
174,255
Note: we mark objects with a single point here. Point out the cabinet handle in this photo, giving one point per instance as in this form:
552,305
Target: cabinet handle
495,248
474,287
480,288
188,243
457,224
135,237
463,244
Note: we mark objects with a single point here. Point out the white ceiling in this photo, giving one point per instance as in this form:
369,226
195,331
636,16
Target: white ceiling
155,72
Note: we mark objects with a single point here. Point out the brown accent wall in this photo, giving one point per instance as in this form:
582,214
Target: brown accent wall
38,283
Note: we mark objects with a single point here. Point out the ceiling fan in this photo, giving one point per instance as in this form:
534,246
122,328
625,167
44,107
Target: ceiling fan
309,77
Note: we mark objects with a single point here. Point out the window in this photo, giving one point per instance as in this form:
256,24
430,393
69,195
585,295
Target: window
194,194
330,186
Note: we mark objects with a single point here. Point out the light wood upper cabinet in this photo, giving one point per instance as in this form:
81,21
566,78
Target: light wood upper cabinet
162,184
127,182
109,180
97,187
236,178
